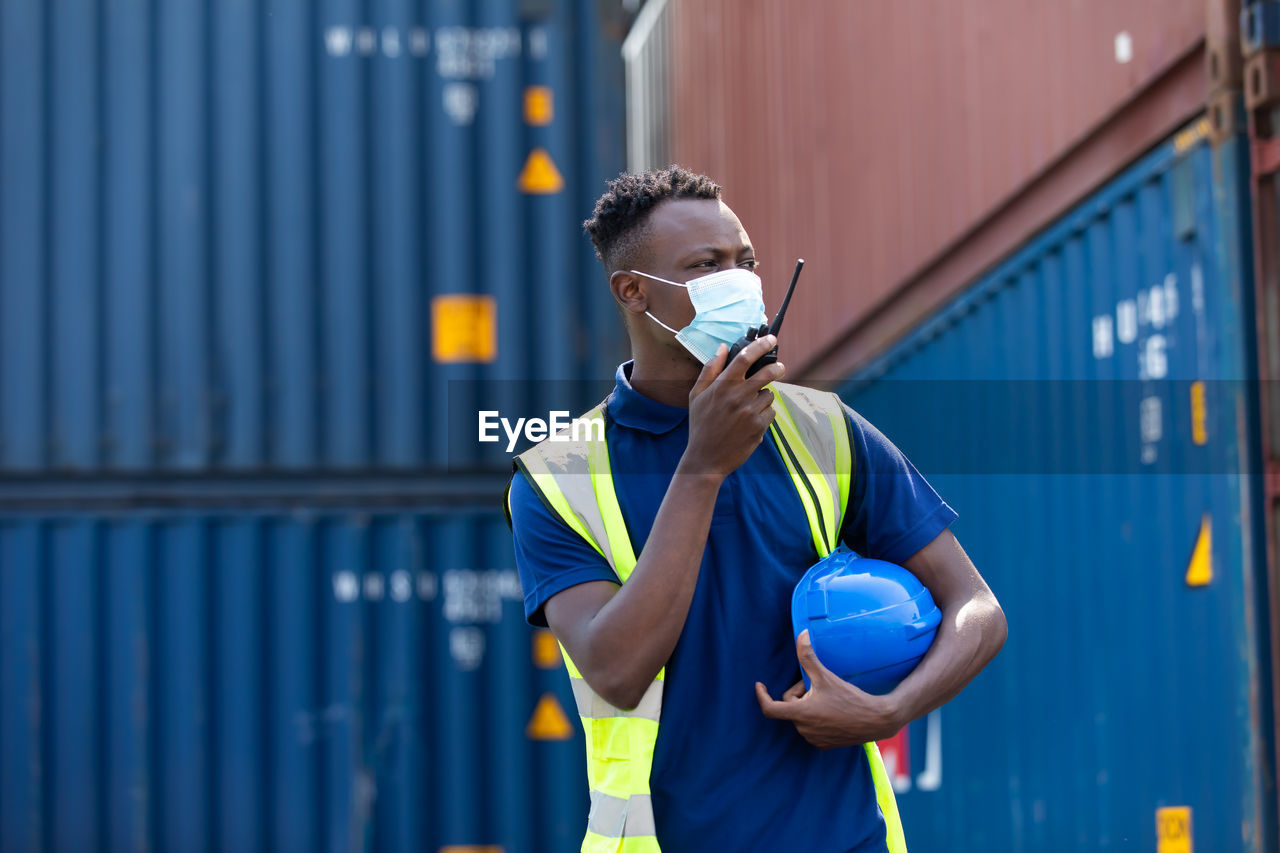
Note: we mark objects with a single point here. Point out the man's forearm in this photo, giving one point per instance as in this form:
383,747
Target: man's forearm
969,637
632,636
833,713
973,629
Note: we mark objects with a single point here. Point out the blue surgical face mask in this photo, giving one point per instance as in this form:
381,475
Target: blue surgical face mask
726,303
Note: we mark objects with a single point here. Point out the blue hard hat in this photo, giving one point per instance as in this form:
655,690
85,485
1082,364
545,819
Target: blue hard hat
870,622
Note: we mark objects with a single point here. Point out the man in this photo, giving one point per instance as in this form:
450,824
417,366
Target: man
710,539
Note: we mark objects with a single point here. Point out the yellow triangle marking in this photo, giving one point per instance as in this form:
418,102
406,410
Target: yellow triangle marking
1200,570
549,721
540,175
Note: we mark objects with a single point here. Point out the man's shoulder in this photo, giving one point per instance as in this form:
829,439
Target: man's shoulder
817,406
568,435
813,397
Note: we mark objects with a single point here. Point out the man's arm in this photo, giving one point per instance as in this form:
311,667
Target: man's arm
834,713
972,632
620,637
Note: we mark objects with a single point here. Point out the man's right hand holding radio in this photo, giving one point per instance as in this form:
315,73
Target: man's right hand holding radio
729,412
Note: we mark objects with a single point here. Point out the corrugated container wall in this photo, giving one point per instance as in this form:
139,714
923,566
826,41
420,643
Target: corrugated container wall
1088,408
877,140
309,680
260,266
226,229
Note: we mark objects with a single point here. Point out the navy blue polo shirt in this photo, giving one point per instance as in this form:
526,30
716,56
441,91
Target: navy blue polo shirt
724,776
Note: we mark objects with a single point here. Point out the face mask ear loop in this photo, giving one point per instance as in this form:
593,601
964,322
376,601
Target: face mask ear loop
660,323
663,280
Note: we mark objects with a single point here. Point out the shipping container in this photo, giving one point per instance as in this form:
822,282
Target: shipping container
1089,407
303,680
903,148
298,237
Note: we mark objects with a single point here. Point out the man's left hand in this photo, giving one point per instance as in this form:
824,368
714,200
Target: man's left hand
832,712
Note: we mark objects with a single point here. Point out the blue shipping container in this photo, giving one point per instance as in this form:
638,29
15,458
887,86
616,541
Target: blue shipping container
278,681
226,228
1088,409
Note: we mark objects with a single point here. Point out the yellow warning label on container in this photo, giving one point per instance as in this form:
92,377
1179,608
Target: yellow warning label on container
546,651
1200,569
539,105
540,175
1173,830
1199,418
549,721
1191,134
464,328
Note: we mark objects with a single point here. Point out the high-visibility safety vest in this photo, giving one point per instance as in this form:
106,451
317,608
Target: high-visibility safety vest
574,480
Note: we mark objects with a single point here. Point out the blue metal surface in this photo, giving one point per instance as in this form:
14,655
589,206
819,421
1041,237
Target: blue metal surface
251,681
1051,405
222,230
1259,26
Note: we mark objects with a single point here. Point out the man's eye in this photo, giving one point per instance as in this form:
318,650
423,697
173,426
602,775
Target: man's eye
749,264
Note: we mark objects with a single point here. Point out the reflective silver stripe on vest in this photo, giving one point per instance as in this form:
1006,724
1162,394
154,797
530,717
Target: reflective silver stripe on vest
593,707
615,817
809,410
567,462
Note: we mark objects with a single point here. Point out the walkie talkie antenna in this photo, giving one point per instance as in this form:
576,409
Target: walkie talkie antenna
786,300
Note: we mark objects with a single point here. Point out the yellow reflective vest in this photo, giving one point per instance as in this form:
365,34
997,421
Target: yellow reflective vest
573,478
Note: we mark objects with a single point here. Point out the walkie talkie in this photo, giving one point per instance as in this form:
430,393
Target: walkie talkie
772,355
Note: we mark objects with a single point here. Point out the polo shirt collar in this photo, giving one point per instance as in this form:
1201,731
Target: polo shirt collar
630,408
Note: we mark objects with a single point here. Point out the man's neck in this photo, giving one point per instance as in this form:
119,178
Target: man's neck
664,376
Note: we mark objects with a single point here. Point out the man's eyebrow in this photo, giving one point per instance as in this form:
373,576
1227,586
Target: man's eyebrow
718,250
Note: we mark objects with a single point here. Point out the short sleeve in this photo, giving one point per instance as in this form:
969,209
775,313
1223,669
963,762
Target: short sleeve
893,512
549,556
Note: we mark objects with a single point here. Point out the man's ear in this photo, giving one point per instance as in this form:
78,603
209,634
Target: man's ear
629,290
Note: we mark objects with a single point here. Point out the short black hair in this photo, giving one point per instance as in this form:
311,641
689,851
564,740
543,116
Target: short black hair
617,224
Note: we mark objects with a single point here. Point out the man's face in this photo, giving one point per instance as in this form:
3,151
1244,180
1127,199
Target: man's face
688,238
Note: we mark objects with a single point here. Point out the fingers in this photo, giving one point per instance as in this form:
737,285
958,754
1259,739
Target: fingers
737,369
765,700
809,660
710,371
764,418
764,399
766,375
794,692
770,707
